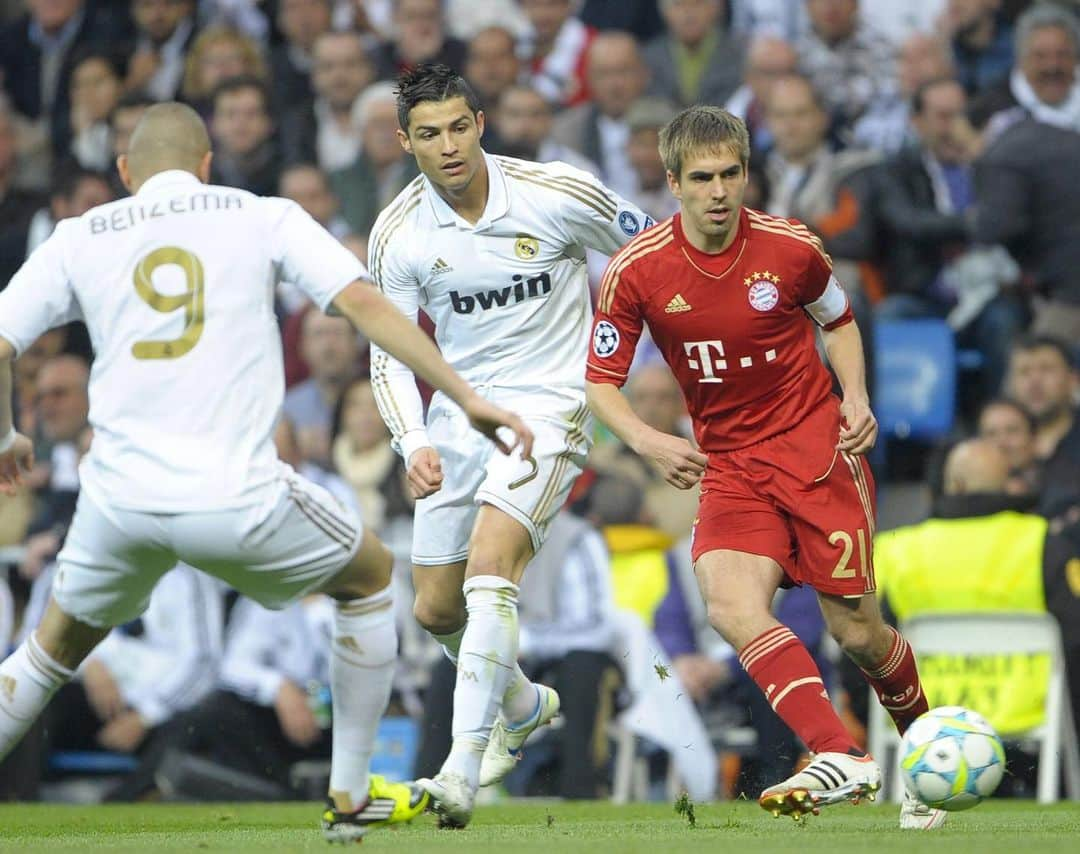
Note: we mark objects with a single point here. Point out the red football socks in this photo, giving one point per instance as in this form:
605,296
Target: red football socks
896,683
782,667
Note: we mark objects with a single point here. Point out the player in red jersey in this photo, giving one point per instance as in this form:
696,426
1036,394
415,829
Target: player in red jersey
733,297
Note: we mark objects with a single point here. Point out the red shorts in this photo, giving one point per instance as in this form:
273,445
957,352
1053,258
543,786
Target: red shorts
796,499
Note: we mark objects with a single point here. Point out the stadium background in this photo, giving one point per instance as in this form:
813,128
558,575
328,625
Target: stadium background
950,211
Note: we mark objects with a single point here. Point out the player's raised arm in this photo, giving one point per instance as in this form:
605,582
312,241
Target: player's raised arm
595,216
375,316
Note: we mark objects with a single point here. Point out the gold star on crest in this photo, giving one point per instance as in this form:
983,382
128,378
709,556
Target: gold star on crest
766,276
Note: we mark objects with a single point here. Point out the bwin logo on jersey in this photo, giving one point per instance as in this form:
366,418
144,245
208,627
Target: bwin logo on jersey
522,289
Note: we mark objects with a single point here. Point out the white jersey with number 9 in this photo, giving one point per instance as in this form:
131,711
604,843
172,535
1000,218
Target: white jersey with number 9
176,286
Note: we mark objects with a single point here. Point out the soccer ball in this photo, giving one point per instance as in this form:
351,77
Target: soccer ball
951,758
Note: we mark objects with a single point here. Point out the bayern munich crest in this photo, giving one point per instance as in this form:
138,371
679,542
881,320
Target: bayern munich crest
762,291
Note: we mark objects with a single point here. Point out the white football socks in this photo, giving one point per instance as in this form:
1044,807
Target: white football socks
520,701
486,661
363,655
28,679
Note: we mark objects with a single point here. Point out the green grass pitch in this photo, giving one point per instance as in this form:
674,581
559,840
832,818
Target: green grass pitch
552,828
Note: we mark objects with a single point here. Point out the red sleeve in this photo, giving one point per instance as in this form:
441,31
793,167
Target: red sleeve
814,275
616,328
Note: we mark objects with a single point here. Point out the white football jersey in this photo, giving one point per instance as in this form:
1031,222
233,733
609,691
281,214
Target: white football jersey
509,295
176,286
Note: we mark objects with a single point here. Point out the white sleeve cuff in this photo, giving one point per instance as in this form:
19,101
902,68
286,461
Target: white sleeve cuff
412,441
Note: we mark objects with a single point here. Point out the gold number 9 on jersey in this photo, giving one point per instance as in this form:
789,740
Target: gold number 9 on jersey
191,300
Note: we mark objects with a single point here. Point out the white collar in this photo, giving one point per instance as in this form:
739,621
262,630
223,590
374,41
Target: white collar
167,178
497,206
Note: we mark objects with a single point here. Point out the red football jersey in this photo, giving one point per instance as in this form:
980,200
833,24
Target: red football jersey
736,328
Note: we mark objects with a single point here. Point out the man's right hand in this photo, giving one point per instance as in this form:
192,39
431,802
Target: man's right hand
488,418
102,692
295,715
680,463
425,472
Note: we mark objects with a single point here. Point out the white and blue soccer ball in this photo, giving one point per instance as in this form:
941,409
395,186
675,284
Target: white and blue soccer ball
951,758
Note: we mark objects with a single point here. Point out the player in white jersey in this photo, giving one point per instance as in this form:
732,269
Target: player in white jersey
493,249
176,287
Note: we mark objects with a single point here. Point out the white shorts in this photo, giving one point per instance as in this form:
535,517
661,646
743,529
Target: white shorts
475,472
287,543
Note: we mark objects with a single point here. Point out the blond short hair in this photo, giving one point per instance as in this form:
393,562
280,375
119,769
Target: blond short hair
702,128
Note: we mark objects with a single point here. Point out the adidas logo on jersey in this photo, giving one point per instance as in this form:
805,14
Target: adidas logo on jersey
7,686
677,304
440,267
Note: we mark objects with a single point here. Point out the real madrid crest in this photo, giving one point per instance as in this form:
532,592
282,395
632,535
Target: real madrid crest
762,291
526,247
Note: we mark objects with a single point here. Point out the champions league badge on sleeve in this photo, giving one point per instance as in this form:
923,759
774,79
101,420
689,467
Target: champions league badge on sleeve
605,339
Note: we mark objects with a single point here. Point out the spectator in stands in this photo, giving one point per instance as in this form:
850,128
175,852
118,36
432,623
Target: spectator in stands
1044,380
381,169
802,170
267,712
35,62
301,22
933,268
655,397
73,192
638,17
122,121
492,66
1023,202
567,636
974,524
327,131
525,120
330,348
598,130
1043,80
164,31
1008,425
420,36
556,47
218,54
308,186
886,124
62,408
245,151
362,456
96,86
17,206
849,63
767,60
645,118
698,60
982,43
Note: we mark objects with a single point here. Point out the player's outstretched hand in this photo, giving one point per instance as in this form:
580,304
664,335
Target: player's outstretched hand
858,429
680,463
486,417
425,472
13,462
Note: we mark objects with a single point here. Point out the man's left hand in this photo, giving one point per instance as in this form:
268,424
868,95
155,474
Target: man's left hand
859,428
124,733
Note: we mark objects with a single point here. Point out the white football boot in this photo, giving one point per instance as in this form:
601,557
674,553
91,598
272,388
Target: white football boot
915,815
452,798
830,778
503,749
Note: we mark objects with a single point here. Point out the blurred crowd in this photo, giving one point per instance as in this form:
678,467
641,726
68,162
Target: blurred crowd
932,144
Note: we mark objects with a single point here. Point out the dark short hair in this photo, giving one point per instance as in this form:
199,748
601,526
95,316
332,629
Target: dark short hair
68,175
115,61
239,83
1045,342
435,83
1010,404
918,97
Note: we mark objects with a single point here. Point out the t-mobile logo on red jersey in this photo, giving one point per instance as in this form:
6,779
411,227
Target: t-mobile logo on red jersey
709,358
